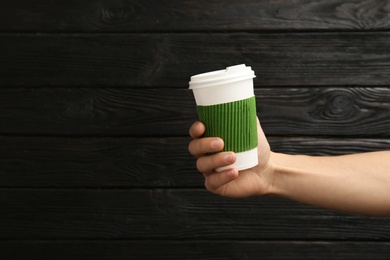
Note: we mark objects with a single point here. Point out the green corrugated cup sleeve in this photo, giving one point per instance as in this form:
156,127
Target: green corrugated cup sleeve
234,122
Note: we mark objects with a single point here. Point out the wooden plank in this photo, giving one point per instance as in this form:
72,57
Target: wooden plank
325,111
96,162
205,15
141,112
168,60
42,162
172,214
104,111
205,250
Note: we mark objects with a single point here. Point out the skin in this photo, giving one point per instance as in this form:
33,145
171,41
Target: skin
356,183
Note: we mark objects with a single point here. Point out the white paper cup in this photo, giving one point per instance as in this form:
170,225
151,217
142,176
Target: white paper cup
226,105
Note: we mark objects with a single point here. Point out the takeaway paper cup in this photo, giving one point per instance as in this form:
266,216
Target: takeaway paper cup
226,105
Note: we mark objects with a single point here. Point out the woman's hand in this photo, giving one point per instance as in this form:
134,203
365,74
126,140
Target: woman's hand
230,182
355,183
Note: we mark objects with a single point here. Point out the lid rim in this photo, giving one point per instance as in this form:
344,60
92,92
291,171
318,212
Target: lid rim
221,77
212,84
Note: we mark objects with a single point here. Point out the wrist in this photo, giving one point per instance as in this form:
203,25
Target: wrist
280,168
267,173
271,170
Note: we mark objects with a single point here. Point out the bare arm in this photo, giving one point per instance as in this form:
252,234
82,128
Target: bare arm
358,183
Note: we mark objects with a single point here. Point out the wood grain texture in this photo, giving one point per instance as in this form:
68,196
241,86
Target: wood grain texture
95,111
42,162
325,111
103,111
96,162
168,60
176,15
162,214
205,250
141,112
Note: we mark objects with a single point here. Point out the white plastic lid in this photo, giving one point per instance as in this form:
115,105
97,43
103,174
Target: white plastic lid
220,77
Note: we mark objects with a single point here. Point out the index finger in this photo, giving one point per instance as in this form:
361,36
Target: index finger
197,129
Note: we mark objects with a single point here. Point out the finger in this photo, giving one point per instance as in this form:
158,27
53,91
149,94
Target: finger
197,129
208,164
217,182
202,146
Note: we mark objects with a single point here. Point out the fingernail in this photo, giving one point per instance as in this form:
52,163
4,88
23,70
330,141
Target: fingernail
197,127
228,158
231,173
215,144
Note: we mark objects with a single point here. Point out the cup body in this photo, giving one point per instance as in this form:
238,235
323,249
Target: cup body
226,105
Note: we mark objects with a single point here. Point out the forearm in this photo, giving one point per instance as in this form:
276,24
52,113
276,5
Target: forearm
358,183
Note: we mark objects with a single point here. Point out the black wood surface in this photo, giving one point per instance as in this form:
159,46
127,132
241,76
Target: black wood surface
95,111
203,15
161,214
331,111
55,162
169,59
208,250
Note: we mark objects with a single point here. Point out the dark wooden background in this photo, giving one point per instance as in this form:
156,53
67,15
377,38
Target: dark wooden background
95,111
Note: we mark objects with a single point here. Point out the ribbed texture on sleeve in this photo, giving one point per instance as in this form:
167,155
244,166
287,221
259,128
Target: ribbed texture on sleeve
234,122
